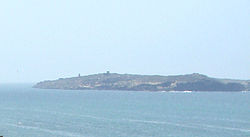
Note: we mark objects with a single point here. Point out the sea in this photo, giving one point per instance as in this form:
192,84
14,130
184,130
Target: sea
30,112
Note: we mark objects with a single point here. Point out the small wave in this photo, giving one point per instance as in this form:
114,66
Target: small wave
144,121
191,125
56,132
159,122
85,116
186,91
61,113
223,127
219,119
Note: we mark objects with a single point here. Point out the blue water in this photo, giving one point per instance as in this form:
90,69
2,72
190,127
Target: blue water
28,112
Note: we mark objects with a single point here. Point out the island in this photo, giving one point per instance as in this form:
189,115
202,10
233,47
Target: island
132,82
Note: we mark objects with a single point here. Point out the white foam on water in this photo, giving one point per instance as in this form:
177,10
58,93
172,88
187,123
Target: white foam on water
192,125
85,116
55,132
144,121
160,122
187,91
62,113
220,119
222,127
231,120
212,118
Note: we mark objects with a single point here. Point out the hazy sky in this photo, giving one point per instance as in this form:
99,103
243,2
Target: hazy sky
49,39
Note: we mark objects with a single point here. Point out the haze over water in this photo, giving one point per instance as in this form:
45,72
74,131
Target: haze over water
46,40
61,113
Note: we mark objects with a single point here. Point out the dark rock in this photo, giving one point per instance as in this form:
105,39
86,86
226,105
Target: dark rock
114,81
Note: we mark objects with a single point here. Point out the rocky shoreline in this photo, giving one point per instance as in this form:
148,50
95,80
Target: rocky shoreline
130,82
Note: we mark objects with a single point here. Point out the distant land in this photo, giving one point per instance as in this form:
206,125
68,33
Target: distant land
131,82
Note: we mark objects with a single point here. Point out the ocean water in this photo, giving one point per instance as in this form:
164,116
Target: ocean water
28,112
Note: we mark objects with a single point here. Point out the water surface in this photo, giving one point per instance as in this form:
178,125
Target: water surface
28,112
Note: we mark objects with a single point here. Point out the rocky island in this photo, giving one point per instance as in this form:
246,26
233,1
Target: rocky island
130,82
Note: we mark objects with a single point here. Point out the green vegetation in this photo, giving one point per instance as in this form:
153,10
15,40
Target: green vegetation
114,81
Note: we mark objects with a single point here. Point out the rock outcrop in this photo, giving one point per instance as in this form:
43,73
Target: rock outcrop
114,81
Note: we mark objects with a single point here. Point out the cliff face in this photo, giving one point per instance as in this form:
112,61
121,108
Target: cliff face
113,81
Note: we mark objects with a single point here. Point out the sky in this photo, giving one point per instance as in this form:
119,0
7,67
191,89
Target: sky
45,39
